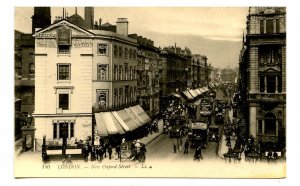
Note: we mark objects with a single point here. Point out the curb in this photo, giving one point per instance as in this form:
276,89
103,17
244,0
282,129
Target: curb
153,139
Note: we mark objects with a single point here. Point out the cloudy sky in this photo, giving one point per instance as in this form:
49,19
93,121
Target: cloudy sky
187,27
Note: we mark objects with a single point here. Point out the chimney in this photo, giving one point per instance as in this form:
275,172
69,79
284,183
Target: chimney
122,26
100,21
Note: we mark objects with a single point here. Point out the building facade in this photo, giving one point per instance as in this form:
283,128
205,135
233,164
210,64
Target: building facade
147,75
263,75
79,72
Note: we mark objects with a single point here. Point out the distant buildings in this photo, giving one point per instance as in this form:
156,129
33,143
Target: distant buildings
263,75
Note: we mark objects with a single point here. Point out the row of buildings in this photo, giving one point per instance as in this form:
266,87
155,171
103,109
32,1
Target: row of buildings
74,73
262,76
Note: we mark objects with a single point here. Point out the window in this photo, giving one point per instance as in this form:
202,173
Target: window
63,101
63,49
126,71
271,84
31,68
102,98
130,54
102,48
120,72
134,73
120,51
130,72
270,55
262,26
126,53
115,51
269,26
116,72
259,127
277,29
63,129
115,97
102,72
131,94
279,84
270,124
120,96
63,72
262,83
126,98
134,54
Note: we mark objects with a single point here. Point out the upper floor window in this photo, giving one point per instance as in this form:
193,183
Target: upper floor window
269,26
126,53
63,101
31,68
126,71
102,72
116,72
120,72
63,49
115,51
102,48
270,55
115,96
63,71
102,98
130,54
120,51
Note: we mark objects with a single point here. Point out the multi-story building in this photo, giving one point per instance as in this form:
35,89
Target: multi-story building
147,75
263,75
173,72
25,68
203,73
80,72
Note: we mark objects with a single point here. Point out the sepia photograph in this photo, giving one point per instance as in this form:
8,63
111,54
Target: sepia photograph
150,92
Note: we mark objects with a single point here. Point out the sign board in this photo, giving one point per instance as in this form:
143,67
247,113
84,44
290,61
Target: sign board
64,36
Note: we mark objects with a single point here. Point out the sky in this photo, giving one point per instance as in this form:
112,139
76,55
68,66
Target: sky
185,26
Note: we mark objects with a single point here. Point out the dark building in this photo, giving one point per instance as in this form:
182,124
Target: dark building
174,72
263,76
89,17
41,17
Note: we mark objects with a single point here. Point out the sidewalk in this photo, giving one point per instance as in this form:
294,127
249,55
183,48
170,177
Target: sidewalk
148,139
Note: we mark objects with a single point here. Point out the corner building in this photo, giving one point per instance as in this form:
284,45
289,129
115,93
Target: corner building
79,71
263,64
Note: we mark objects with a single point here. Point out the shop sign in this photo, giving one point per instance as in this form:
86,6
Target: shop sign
49,43
82,43
64,36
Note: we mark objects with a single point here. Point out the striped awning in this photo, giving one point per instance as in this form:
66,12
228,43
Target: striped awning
102,131
125,120
193,93
134,117
188,95
110,123
140,113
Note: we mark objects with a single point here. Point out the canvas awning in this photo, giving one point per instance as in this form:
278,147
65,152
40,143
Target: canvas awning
188,95
134,117
102,131
198,91
125,120
140,113
109,122
193,93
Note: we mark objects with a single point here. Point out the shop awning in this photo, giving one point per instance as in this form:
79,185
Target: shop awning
188,95
102,131
198,91
177,96
111,124
140,113
125,120
193,93
134,117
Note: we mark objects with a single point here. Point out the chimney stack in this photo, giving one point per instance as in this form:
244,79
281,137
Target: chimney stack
122,26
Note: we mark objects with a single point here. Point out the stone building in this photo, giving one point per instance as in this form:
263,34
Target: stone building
263,75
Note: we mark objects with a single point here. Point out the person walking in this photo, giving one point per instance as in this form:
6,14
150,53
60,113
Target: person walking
174,148
186,147
109,149
142,156
86,153
118,150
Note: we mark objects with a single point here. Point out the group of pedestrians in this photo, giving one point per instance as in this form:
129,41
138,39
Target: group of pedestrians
97,152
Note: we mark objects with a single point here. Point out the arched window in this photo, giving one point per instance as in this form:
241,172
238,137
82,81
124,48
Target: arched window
31,68
270,123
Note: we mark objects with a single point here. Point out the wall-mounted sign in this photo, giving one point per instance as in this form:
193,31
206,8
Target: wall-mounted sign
49,43
64,36
45,35
82,43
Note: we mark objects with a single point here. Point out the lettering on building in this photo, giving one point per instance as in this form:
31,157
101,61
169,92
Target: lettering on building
82,43
49,43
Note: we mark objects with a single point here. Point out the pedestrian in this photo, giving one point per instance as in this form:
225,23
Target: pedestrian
109,149
98,153
186,147
118,149
101,153
142,156
104,150
86,153
174,148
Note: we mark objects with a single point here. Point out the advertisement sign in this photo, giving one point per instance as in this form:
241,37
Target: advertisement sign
64,36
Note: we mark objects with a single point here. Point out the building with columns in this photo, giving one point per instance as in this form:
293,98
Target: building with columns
263,75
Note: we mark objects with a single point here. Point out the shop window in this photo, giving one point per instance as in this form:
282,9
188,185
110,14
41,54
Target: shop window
63,101
270,124
64,128
102,72
63,72
279,84
259,127
102,48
